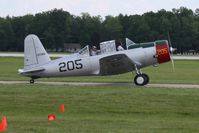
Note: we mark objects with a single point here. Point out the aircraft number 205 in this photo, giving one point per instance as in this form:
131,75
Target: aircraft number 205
70,65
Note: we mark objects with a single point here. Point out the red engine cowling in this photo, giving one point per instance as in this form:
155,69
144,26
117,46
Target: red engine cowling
162,51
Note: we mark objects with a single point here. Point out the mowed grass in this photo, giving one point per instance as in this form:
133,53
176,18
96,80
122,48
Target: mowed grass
186,71
99,109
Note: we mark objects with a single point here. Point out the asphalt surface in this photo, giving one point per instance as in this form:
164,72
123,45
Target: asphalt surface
104,84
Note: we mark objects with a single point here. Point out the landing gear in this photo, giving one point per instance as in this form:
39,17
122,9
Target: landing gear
32,81
146,77
140,79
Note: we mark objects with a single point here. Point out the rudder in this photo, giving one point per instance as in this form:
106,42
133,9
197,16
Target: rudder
34,52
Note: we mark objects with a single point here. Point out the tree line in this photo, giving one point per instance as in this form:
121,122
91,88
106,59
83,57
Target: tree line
57,27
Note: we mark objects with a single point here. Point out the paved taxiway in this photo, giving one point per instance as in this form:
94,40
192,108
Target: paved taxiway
104,84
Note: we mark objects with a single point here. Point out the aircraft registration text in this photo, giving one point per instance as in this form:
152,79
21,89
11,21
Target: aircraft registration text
70,65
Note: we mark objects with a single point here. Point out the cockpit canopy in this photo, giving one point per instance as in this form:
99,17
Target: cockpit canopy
110,46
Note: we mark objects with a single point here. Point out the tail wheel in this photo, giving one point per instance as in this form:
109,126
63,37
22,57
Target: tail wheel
141,79
32,81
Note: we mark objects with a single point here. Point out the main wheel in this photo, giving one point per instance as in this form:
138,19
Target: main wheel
141,79
147,78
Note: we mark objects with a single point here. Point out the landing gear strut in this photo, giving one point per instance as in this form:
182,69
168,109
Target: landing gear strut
140,79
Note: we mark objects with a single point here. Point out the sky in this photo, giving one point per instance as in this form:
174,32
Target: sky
93,7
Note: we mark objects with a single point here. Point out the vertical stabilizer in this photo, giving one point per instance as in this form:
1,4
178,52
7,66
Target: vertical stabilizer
34,52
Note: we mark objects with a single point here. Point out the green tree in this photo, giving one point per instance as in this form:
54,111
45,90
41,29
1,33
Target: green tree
87,29
6,35
112,28
55,27
20,26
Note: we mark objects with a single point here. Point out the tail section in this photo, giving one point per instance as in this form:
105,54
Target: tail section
34,52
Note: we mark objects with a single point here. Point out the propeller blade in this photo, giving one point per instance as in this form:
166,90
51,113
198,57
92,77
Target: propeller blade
171,51
173,65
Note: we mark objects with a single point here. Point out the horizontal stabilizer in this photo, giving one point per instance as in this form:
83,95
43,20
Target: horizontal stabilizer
21,71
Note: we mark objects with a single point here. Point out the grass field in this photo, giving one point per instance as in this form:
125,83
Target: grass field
102,109
99,109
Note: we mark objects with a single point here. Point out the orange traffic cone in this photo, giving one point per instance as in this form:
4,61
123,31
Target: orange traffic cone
62,108
51,117
3,124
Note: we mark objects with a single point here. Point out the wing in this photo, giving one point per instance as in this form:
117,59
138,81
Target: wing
116,64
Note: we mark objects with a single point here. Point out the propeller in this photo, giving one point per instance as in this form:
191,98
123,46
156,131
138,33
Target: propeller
171,51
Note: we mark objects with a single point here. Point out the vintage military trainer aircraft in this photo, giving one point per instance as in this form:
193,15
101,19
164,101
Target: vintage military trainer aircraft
37,63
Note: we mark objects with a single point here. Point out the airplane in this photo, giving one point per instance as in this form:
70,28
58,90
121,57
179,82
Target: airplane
37,63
